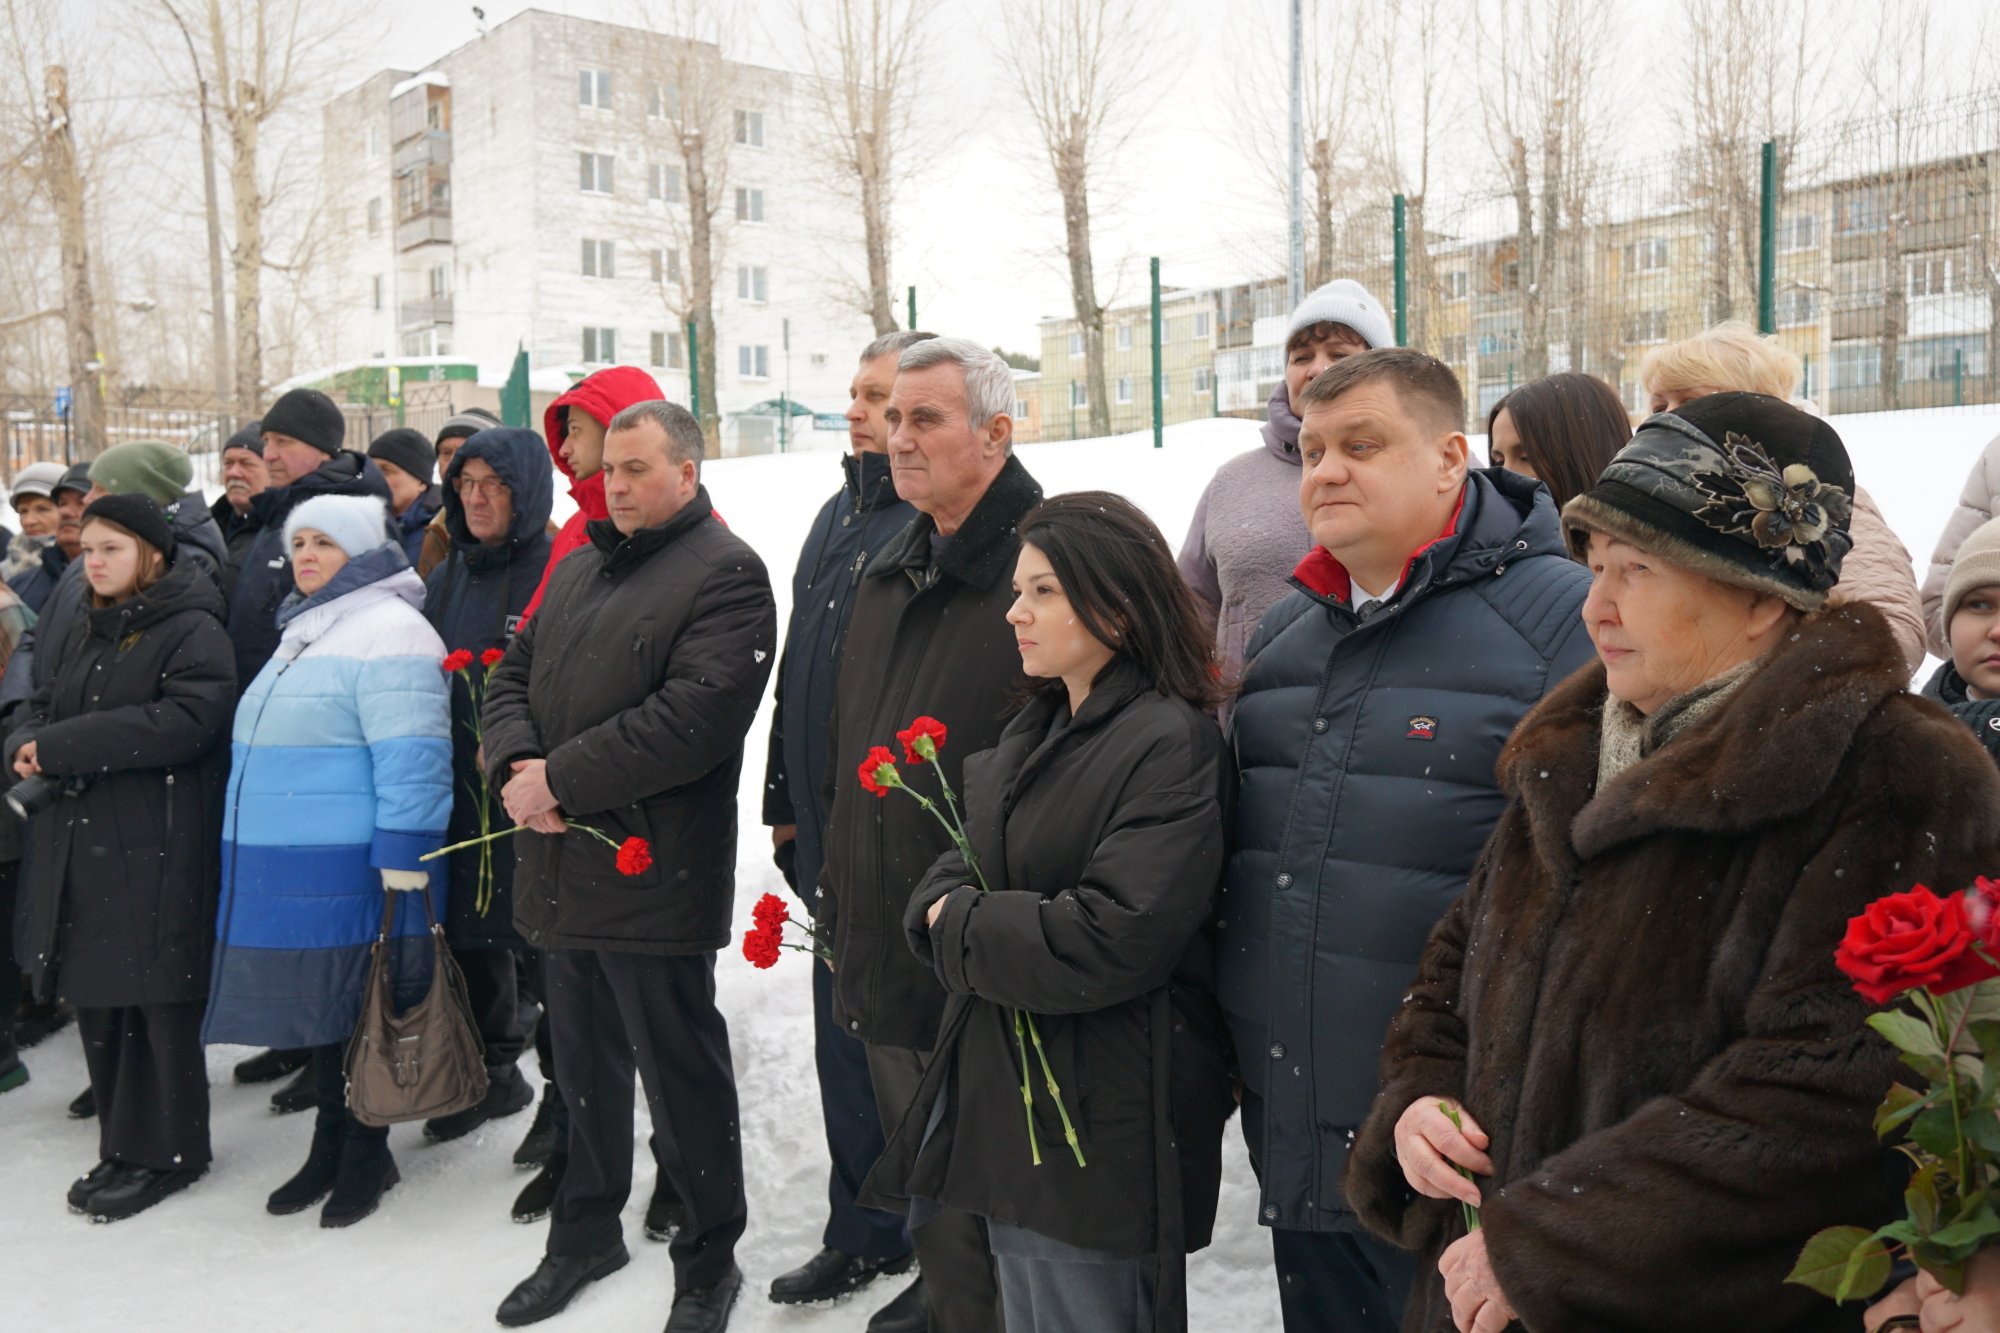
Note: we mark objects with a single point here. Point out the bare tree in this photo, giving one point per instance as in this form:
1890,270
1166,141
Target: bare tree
1082,67
220,368
1416,55
1899,65
866,58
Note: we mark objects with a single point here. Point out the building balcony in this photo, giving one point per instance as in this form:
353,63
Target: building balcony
431,149
426,312
431,227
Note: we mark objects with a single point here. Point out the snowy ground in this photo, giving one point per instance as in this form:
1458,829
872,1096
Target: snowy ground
441,1253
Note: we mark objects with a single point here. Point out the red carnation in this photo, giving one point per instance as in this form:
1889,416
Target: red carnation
771,913
878,772
491,657
1908,940
761,947
458,660
923,739
635,856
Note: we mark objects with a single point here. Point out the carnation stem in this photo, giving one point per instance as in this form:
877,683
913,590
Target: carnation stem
1069,1130
1027,1097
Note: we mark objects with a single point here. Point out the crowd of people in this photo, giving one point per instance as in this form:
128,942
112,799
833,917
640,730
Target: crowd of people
1481,829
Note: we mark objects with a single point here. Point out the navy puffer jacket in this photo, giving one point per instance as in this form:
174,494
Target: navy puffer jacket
1366,754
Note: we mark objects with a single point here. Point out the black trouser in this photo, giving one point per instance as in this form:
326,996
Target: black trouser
150,1078
329,1068
494,994
959,1282
534,976
853,1134
612,1013
12,985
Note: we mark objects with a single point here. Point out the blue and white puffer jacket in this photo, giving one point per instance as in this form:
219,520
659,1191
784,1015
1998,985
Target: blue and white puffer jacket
341,769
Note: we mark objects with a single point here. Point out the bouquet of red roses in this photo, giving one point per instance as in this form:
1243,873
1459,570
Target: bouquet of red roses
1942,955
921,741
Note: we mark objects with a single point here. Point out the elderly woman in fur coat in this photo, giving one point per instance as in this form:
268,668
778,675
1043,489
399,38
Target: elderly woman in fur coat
1664,1084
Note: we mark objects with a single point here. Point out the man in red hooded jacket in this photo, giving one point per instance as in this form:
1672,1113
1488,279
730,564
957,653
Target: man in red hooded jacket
574,427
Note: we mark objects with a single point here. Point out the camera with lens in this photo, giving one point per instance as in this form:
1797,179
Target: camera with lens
31,796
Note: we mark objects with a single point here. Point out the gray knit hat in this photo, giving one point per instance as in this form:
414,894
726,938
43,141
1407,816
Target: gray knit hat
1976,566
467,423
1344,301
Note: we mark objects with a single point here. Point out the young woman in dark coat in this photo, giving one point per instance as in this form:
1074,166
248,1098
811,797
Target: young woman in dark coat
122,882
1097,821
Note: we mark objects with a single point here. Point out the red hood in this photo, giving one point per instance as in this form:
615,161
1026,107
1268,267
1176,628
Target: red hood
603,395
1321,573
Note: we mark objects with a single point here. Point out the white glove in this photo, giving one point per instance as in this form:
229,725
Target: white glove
406,881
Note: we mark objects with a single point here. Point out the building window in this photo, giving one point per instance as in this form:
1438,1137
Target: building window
1452,348
664,183
593,88
1647,326
1124,388
1201,324
749,205
440,281
1647,255
375,216
1798,232
1930,275
753,361
750,128
662,99
1124,337
1863,210
666,266
1020,409
1204,379
375,284
597,260
593,172
374,141
1076,344
1457,284
1079,394
666,350
1510,276
752,284
600,345
1797,306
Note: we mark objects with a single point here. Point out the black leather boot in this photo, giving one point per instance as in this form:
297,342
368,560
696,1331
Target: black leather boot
539,1194
366,1173
315,1178
554,1284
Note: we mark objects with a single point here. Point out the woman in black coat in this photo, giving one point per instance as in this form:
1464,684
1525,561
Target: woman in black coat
1097,822
131,740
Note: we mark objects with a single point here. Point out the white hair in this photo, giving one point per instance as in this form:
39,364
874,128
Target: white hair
989,381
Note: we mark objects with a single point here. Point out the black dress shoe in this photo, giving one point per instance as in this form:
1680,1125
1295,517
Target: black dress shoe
133,1189
36,1023
665,1213
706,1309
554,1284
908,1313
88,1184
12,1073
506,1093
270,1066
831,1274
366,1173
314,1180
543,1134
84,1106
539,1195
298,1095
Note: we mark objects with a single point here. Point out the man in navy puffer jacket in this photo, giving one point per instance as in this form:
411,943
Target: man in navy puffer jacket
1437,606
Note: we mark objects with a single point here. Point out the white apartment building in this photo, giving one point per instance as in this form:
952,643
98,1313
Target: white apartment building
527,189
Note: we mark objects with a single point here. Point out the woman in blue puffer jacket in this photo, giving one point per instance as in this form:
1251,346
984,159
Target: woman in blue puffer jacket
341,783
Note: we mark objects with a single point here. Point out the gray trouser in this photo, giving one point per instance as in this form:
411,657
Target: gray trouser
1049,1287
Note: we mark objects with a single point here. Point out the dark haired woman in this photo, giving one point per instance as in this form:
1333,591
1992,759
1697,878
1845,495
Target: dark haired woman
1561,430
121,886
1097,821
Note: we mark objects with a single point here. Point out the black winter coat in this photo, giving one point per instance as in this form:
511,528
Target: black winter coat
34,584
1366,755
238,532
1982,715
1102,845
474,601
264,576
637,680
122,877
921,640
1636,997
850,528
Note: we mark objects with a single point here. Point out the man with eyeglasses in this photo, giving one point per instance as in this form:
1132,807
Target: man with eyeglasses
498,490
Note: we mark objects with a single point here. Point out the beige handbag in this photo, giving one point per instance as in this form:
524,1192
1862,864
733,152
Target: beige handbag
424,1062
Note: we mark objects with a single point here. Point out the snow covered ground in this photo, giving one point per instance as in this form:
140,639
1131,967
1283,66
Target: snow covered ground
441,1252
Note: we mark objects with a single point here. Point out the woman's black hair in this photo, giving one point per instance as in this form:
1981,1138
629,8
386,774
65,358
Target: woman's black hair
1119,575
1571,425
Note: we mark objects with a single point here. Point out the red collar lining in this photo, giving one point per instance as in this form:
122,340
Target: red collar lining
1321,573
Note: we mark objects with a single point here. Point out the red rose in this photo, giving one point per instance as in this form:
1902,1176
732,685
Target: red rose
922,741
761,947
1981,902
1907,940
771,913
491,657
635,856
458,660
878,772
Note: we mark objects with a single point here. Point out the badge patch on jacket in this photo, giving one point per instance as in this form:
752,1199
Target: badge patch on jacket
1422,729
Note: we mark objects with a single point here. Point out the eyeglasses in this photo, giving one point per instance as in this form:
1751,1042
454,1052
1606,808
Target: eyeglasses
491,487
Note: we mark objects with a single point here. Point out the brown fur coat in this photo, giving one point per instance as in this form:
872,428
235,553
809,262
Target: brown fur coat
1636,996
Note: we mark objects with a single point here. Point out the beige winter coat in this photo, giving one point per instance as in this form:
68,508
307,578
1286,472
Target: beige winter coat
1878,571
1975,507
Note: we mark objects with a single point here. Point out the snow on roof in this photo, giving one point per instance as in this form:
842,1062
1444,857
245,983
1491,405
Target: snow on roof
430,78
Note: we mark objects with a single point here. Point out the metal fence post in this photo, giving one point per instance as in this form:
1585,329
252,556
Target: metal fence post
1958,377
1159,399
694,372
784,419
1402,274
1767,244
913,308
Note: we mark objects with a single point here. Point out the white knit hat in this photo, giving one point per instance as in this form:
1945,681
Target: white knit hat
357,523
1344,301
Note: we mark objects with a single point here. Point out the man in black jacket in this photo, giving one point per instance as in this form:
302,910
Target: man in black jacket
928,635
852,526
244,478
619,714
1436,607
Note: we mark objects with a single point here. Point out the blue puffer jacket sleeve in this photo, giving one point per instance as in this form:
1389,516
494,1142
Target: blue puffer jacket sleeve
406,723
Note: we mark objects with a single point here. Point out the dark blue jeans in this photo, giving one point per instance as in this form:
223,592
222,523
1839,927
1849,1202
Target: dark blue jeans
853,1134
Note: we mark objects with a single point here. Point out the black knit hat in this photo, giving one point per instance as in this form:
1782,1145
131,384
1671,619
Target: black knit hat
1739,487
138,515
410,450
250,436
308,416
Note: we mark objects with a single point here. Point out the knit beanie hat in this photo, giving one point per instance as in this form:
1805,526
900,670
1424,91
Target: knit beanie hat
357,524
308,416
1344,301
1738,487
250,436
1976,566
75,478
469,422
144,467
36,479
135,512
408,449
